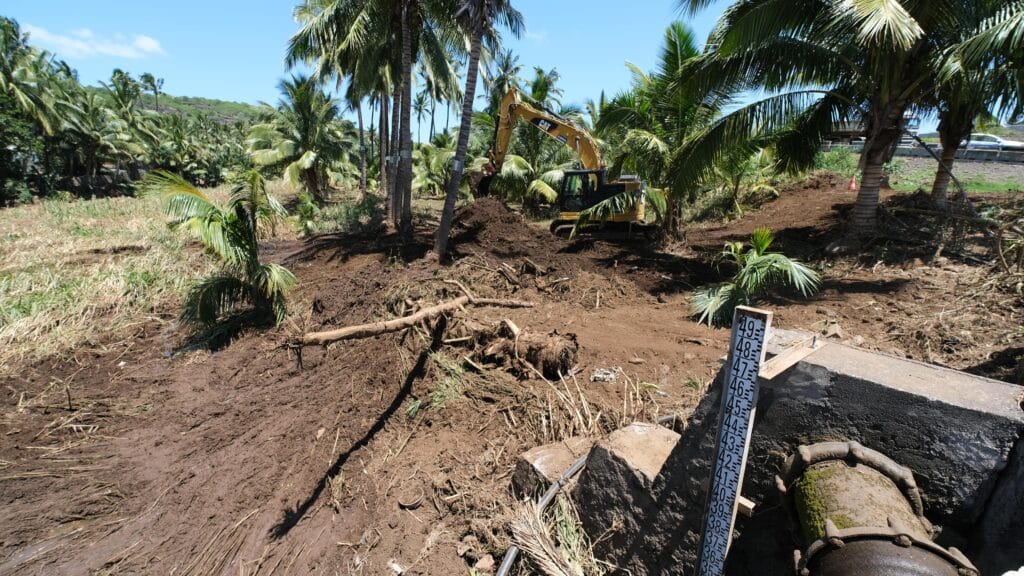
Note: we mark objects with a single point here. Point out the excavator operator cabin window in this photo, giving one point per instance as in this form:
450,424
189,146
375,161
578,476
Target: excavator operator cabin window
571,199
573,185
590,185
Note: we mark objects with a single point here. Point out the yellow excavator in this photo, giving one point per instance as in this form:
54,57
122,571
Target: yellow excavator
581,189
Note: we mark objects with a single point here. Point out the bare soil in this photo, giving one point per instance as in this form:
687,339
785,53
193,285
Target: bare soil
394,451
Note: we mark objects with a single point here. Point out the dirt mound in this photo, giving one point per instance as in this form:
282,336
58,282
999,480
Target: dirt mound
487,224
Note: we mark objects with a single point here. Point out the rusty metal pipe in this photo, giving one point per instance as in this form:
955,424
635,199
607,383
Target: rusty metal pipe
860,513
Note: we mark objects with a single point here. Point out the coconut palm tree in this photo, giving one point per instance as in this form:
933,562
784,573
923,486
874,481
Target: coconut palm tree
433,163
504,78
477,18
419,107
369,42
303,136
354,102
154,85
656,117
967,91
231,233
100,134
823,62
23,72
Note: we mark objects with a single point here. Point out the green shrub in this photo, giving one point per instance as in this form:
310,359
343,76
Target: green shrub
362,216
841,160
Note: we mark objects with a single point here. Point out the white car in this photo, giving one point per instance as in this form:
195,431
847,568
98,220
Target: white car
990,142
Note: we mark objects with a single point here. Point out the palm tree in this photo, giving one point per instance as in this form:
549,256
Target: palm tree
823,62
232,234
419,107
756,272
966,92
354,102
403,178
433,164
370,41
544,88
99,132
504,78
477,18
303,136
124,93
154,85
23,72
654,119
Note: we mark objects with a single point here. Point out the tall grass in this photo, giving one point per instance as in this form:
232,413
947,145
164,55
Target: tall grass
82,272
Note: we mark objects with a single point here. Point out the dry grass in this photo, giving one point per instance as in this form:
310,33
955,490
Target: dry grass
555,543
73,271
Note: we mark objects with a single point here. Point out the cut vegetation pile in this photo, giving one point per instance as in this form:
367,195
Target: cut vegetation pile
395,452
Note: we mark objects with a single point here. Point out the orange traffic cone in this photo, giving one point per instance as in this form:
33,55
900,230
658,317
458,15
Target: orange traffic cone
853,183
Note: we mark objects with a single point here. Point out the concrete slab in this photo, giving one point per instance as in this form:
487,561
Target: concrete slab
956,431
540,467
642,447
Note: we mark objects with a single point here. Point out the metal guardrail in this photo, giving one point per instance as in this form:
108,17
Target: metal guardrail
1010,157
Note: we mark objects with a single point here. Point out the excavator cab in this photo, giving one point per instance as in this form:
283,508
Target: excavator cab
579,190
582,189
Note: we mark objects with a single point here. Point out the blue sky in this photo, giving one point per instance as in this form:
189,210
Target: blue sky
233,50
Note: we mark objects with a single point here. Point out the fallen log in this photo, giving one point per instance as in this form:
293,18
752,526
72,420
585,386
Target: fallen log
387,326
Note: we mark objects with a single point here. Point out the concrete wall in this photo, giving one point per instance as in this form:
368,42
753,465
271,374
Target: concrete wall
959,433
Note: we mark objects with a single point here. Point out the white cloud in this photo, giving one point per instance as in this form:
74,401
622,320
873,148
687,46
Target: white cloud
84,43
540,36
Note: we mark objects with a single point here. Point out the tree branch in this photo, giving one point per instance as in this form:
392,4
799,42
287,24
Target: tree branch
387,326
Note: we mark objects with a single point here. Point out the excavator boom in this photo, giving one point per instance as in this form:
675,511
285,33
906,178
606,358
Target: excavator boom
512,108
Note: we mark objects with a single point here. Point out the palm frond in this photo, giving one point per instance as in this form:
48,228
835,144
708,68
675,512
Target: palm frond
761,240
1000,34
213,297
538,188
881,22
181,200
714,305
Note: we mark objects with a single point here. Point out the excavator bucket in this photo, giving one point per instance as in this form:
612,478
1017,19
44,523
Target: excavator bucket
480,185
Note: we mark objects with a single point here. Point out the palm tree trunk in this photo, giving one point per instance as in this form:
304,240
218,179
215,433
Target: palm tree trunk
672,209
362,150
394,197
865,210
384,149
373,128
441,242
864,219
433,110
405,162
954,126
942,177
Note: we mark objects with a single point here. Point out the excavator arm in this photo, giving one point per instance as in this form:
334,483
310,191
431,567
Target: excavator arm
512,109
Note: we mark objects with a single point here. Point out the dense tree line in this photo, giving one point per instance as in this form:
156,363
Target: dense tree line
61,136
687,126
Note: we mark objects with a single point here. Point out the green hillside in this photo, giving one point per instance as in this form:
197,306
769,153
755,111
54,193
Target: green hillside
220,110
